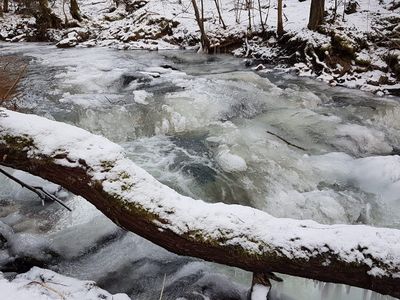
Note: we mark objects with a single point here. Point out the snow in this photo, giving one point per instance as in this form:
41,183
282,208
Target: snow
96,146
41,284
140,96
157,25
253,230
259,292
230,162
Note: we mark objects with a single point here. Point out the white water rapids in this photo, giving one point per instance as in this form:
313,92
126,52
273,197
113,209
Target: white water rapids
208,127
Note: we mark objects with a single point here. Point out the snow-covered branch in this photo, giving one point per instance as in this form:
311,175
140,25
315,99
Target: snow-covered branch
97,169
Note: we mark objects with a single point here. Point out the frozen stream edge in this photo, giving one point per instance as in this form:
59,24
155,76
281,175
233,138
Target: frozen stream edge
379,181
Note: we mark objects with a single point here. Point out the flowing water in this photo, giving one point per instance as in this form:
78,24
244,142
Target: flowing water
210,128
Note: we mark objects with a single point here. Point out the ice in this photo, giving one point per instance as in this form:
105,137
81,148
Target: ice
6,231
377,175
140,96
230,162
356,139
13,189
29,245
188,117
260,292
84,236
321,206
82,212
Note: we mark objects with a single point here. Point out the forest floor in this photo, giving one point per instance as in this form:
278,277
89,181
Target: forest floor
357,47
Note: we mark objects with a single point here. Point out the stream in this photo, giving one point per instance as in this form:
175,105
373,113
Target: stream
212,129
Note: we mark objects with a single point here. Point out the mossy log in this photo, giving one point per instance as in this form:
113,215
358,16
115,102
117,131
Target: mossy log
98,170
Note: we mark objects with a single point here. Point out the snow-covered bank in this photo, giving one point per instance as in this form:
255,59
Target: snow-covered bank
42,284
358,50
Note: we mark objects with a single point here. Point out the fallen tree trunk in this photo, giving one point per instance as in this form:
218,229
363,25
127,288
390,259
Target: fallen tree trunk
98,170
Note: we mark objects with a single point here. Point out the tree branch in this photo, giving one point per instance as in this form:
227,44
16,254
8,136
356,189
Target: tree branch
286,141
43,194
98,170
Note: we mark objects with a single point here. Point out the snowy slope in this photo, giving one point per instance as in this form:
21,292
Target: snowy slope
42,284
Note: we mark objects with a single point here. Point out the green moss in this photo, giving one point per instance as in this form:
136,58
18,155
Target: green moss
126,186
362,61
124,175
344,44
107,165
19,143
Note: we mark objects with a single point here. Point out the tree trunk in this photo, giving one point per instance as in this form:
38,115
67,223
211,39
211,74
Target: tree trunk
65,15
219,14
248,6
205,42
280,18
316,14
45,19
98,170
74,10
5,6
334,12
261,18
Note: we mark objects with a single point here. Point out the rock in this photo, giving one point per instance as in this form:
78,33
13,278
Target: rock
394,92
132,6
383,79
114,17
18,38
259,67
344,43
80,34
393,61
351,7
137,77
67,43
362,59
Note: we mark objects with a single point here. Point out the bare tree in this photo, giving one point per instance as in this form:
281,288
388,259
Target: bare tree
63,9
280,18
45,19
219,13
316,14
248,6
74,10
335,11
5,6
261,18
205,42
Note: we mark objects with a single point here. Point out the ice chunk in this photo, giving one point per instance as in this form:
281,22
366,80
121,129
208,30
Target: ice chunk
230,162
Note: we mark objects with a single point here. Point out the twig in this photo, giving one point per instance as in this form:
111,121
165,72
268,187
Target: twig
47,287
15,82
287,142
37,190
384,37
162,288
